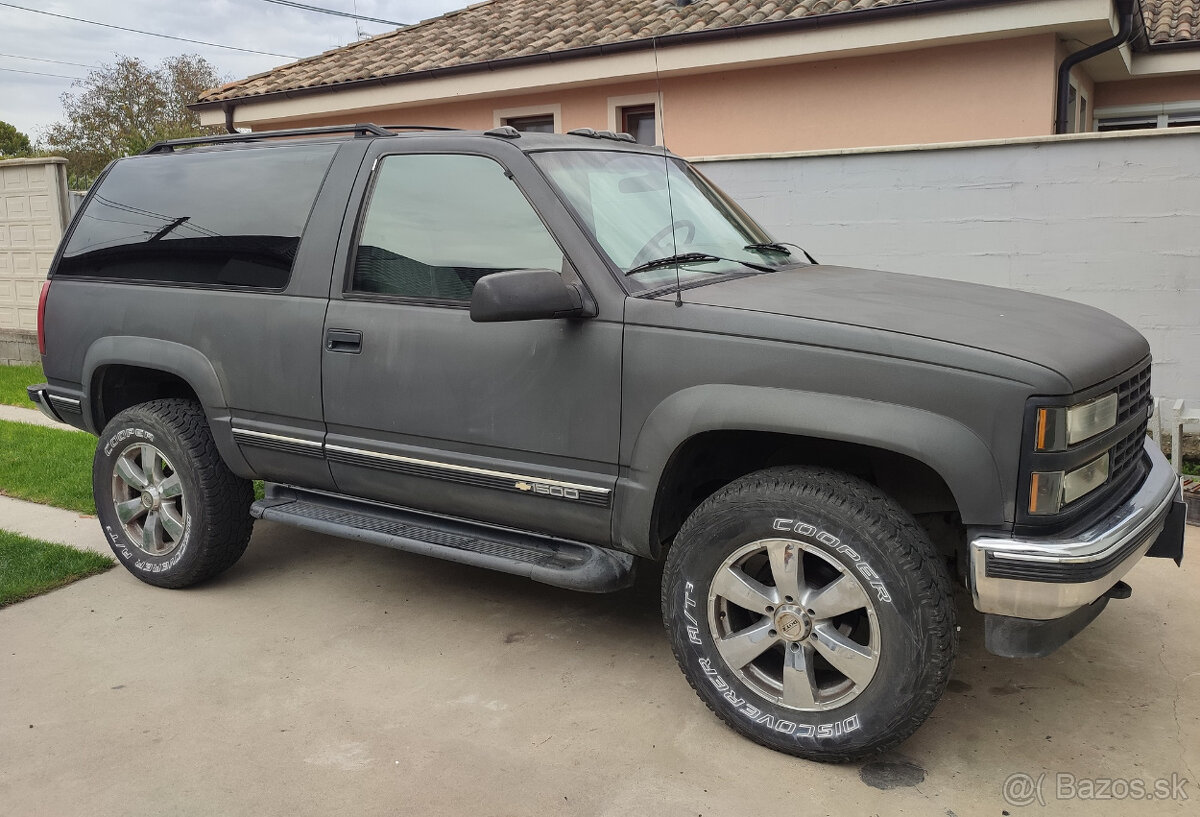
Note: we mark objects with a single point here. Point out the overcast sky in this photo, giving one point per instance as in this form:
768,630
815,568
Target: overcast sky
31,102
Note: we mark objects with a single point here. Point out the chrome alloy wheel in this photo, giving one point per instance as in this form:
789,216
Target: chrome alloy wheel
794,624
148,498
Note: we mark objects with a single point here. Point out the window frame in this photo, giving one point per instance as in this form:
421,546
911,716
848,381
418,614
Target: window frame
1161,112
626,110
616,105
500,116
349,293
76,219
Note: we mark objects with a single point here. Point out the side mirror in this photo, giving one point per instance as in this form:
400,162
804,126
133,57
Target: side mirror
525,295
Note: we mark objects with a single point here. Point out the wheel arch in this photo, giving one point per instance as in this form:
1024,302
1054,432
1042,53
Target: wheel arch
121,371
765,427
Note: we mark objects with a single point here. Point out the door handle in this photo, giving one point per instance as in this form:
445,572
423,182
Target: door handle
343,340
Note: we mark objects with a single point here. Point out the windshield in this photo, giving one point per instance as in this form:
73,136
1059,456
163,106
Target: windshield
622,200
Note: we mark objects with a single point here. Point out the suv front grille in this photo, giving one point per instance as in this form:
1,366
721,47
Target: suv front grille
1133,401
1126,453
1133,396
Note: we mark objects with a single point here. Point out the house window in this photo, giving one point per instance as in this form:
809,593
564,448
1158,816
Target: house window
1077,110
1127,123
531,124
1149,117
533,119
640,121
639,115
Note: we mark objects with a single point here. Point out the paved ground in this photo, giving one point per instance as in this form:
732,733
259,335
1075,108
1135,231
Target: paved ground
30,416
326,677
52,525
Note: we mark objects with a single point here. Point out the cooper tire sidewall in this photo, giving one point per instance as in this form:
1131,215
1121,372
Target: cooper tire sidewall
116,439
861,721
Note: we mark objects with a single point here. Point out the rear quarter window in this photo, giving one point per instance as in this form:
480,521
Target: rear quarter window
225,218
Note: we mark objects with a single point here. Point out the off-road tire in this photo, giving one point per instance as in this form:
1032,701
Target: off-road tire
837,522
215,503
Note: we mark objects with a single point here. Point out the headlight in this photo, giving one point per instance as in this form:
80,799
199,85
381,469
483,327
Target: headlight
1059,427
1049,491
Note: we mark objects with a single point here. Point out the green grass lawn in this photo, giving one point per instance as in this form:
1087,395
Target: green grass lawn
14,379
47,465
51,466
29,567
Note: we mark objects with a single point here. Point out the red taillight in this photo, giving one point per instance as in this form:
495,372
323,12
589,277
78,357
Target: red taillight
42,318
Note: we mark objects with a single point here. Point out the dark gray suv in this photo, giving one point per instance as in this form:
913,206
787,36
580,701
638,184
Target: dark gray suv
557,355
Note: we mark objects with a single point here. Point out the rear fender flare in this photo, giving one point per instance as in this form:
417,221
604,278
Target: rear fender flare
185,362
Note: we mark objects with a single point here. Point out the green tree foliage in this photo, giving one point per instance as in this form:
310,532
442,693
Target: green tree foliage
12,142
123,108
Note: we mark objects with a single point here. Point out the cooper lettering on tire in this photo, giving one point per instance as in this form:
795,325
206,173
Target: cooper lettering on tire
172,511
810,612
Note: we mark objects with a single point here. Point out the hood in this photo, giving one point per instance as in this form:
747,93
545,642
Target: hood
1083,344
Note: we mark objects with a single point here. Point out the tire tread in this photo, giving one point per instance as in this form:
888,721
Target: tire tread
226,497
909,545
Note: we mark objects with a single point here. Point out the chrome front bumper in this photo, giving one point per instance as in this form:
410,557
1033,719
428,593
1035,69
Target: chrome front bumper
1048,578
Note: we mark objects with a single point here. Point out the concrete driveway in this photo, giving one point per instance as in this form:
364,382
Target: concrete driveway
327,677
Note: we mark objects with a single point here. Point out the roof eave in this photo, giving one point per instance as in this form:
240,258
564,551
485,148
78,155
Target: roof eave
623,47
1179,45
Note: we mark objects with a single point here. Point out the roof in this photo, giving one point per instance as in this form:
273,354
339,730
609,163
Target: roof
513,30
506,29
1172,21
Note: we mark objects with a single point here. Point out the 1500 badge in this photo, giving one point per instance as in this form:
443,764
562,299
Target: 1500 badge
547,490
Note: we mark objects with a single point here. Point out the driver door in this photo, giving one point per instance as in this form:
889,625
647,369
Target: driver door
515,424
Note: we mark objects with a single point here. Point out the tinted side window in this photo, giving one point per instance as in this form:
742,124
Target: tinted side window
436,224
225,218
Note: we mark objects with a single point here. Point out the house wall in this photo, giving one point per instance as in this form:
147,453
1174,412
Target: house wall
33,215
1104,219
981,90
1148,91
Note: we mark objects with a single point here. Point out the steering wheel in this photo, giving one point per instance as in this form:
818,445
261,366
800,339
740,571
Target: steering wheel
653,248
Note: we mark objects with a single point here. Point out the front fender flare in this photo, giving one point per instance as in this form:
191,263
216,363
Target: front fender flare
954,451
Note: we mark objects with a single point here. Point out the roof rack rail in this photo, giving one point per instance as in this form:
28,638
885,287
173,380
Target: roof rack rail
361,129
419,127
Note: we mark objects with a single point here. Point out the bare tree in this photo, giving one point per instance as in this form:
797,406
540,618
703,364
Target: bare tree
123,108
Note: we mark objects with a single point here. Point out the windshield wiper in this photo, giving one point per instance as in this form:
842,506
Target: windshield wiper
692,258
780,247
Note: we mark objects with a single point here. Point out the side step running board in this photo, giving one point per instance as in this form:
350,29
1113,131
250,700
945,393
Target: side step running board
558,562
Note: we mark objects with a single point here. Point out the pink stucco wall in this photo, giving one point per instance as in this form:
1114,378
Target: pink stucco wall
984,90
1148,91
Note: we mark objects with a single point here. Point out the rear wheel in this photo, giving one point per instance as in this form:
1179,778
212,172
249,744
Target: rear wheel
172,511
810,613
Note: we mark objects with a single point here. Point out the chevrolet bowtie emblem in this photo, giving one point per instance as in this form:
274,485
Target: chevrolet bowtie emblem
523,486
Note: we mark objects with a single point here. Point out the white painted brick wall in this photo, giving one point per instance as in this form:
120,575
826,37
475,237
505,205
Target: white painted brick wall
33,215
1113,222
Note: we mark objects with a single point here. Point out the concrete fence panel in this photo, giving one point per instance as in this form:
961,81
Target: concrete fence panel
1105,219
33,214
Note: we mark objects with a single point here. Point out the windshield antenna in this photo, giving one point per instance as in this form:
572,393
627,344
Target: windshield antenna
666,169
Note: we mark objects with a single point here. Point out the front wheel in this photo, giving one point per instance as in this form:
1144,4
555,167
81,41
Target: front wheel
173,512
811,613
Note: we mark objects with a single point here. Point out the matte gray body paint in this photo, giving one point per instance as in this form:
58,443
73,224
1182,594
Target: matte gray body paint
932,369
